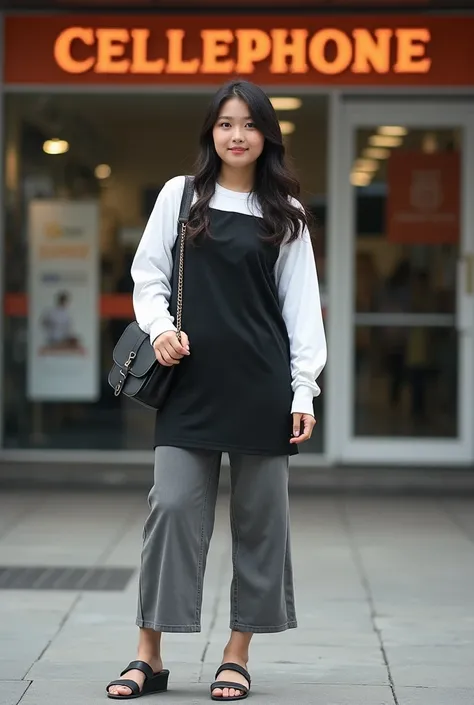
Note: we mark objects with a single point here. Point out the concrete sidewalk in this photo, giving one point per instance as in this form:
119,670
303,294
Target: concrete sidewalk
384,587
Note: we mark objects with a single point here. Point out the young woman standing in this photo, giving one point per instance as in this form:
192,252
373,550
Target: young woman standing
246,377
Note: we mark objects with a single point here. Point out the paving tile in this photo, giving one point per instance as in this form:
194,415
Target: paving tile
17,647
314,638
320,671
285,693
103,671
86,643
298,654
16,668
23,604
419,631
11,691
92,692
433,675
435,696
430,655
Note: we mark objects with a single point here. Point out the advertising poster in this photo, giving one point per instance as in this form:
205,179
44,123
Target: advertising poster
424,194
63,318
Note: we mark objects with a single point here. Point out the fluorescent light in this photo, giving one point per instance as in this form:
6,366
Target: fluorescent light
55,146
102,171
360,178
368,165
376,153
282,103
286,127
393,130
385,141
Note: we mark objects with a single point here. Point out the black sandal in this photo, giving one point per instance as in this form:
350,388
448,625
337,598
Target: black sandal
227,684
154,682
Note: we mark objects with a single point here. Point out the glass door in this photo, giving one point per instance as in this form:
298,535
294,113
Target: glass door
406,273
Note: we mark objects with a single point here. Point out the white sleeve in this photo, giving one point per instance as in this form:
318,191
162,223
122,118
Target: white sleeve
153,262
298,292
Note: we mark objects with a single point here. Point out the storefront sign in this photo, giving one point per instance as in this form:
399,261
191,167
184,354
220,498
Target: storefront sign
184,49
287,51
423,204
63,319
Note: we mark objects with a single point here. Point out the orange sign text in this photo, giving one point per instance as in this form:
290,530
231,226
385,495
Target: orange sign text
329,51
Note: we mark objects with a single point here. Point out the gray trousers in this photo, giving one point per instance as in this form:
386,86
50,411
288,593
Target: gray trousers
178,531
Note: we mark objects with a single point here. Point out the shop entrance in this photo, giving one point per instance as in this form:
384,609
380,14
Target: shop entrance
405,273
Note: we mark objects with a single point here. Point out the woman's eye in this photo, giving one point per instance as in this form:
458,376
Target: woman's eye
225,124
251,125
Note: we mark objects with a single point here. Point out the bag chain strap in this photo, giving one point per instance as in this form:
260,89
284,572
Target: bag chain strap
179,302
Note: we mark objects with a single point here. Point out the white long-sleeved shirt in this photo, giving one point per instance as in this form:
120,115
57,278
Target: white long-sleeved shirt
295,277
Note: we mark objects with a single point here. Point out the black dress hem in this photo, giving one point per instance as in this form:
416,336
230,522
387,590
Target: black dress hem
224,448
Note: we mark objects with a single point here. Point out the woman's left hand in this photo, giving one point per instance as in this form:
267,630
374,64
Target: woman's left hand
308,422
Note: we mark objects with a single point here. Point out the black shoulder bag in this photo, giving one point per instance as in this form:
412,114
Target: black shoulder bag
136,372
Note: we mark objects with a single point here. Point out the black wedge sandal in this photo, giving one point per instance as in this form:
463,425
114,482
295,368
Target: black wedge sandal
154,682
227,684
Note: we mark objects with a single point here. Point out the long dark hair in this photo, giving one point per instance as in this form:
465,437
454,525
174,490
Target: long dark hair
274,184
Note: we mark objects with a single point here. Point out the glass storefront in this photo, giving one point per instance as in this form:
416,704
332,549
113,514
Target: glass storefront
121,149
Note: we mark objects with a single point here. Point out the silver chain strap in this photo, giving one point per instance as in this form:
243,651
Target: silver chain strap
179,300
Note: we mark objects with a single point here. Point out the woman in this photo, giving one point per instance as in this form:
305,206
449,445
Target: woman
247,364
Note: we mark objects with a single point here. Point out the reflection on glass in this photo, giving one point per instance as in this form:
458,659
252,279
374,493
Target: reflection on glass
407,246
406,382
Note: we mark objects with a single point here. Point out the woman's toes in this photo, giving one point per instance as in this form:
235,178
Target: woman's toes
217,692
120,690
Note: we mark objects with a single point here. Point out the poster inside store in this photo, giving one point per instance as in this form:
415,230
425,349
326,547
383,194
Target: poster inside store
63,321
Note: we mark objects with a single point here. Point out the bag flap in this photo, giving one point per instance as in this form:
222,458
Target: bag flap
133,339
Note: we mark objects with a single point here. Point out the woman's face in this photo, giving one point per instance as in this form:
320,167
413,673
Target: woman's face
236,139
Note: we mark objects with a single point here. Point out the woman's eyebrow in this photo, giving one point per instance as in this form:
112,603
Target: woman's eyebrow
228,117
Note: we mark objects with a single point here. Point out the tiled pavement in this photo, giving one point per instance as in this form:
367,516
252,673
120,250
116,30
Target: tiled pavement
384,587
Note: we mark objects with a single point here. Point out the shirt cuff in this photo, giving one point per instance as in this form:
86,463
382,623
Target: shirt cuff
161,325
303,401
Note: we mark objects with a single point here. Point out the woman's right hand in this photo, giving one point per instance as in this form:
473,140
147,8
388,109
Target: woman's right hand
168,350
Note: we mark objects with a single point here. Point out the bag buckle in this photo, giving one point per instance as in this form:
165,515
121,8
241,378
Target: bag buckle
131,357
124,373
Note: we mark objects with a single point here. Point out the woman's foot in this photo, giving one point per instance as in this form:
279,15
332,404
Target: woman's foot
154,662
231,676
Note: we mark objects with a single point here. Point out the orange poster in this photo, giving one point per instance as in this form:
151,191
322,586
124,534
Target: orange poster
423,205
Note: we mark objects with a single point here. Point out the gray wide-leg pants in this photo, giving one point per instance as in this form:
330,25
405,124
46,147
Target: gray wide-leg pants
178,531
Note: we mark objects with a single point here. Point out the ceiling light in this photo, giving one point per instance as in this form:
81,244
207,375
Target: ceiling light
286,127
368,165
393,130
376,153
282,103
360,178
55,146
385,141
102,171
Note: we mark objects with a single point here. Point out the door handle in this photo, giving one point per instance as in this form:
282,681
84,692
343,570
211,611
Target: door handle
469,277
465,294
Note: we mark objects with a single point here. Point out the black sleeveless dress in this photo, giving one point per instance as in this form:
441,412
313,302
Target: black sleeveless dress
233,393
